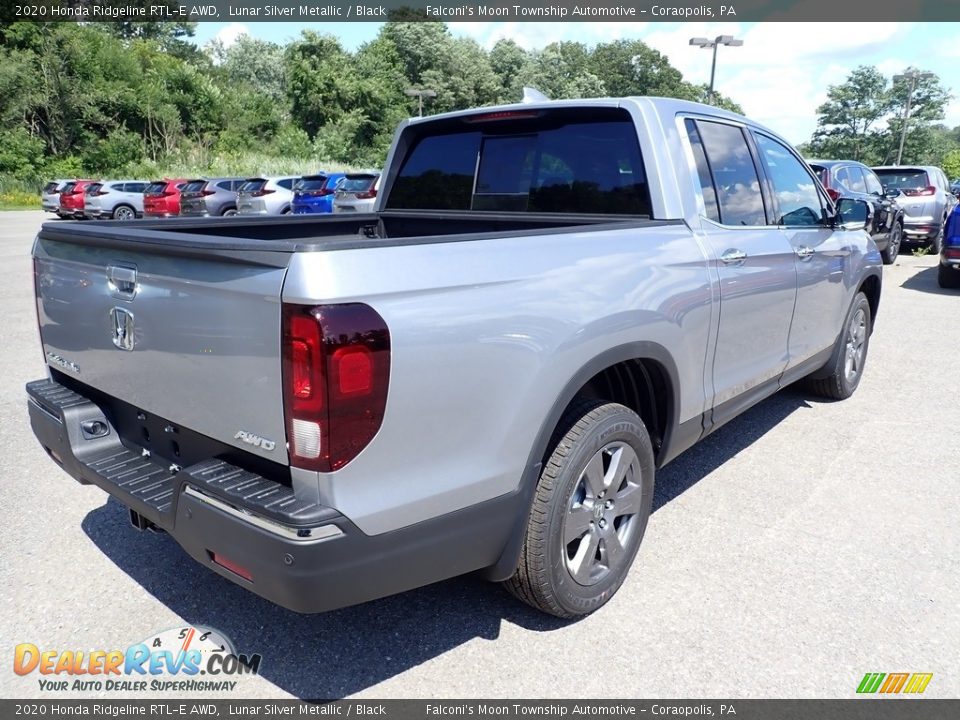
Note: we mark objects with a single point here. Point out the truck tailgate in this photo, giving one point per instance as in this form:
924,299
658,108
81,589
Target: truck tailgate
194,339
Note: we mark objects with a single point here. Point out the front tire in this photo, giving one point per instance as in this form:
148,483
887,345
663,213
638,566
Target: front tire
590,511
849,355
893,247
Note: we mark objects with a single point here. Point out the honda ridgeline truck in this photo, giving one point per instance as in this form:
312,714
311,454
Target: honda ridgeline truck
550,301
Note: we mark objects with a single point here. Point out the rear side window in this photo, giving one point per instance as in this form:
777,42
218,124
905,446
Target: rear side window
287,183
556,163
703,172
795,190
851,178
734,174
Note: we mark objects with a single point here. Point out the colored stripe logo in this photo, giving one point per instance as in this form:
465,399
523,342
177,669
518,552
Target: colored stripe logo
894,683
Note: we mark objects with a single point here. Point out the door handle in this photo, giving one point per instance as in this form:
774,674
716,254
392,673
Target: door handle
733,257
804,252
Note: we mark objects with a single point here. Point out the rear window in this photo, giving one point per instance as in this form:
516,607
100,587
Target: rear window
822,174
194,186
68,188
92,188
313,182
903,178
563,161
50,187
156,188
353,183
255,185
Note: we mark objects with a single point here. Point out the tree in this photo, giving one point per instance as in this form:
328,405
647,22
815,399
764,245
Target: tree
928,104
508,60
561,70
849,121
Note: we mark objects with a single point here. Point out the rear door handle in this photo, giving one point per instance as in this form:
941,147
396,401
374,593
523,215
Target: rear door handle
804,252
733,257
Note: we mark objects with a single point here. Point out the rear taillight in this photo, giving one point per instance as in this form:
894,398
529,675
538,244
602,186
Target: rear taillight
366,194
921,192
952,253
101,193
261,193
336,369
207,192
327,191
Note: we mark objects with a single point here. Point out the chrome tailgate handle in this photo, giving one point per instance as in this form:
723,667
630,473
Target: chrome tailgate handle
123,281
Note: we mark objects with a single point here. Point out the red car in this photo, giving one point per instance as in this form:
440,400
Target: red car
71,199
162,198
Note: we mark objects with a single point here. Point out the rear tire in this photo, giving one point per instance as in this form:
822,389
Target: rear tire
948,277
849,355
229,212
893,247
937,242
590,511
124,212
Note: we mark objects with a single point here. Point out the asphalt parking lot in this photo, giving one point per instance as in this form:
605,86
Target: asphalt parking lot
801,546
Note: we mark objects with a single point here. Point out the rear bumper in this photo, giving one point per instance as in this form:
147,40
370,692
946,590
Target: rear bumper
923,229
303,556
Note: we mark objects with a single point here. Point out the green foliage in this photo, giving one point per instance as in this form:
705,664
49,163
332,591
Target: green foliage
139,99
21,154
862,119
951,164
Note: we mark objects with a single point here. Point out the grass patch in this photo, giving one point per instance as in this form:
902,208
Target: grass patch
19,200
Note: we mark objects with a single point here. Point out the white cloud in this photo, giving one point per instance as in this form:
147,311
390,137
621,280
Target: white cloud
230,33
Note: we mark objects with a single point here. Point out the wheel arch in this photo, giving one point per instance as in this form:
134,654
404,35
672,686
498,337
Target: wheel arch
641,375
870,286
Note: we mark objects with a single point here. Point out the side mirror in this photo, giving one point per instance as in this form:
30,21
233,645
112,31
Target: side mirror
854,214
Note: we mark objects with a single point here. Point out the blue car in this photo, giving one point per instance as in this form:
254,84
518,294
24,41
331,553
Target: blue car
314,193
949,272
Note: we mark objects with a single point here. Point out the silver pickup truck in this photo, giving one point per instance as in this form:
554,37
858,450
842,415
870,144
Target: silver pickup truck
551,301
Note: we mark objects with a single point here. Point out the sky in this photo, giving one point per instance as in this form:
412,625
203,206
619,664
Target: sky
779,76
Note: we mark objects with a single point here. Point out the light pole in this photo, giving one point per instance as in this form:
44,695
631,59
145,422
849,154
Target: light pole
420,95
911,78
706,44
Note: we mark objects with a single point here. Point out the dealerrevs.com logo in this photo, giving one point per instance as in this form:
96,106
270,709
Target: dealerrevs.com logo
177,660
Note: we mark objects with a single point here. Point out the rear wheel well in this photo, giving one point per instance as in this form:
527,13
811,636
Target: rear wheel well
871,288
642,385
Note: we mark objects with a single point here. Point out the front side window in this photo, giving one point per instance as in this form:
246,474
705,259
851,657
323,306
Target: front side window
795,190
734,174
872,183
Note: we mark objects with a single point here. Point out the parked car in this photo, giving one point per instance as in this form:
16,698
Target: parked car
211,196
50,195
851,179
948,272
926,200
265,196
71,199
357,193
340,408
114,199
313,194
162,197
